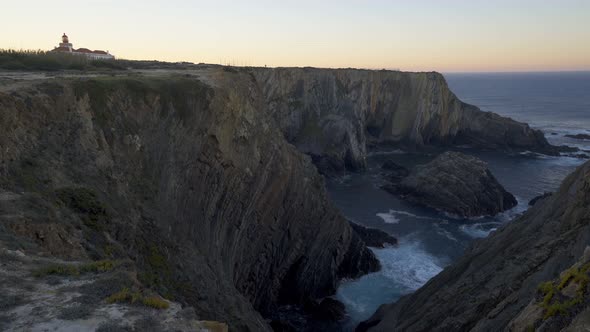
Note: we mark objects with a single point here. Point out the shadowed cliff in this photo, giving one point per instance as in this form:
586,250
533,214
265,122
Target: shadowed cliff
187,177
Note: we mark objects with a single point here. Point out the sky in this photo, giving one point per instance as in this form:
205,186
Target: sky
420,35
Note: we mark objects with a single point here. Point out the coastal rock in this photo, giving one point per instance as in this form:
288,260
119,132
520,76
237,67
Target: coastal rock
329,309
373,237
395,172
499,276
455,183
579,136
539,197
185,175
334,114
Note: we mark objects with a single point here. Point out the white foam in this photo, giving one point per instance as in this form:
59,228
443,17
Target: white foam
408,265
388,218
408,214
444,233
477,230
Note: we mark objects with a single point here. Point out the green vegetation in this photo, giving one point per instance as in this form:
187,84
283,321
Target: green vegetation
76,269
553,304
53,61
157,272
155,302
86,203
29,60
127,296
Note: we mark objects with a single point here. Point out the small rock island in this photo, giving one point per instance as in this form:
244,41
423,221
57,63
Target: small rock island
455,183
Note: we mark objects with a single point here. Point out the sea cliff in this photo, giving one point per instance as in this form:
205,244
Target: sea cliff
335,114
186,176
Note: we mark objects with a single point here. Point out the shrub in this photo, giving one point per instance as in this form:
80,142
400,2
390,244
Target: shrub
53,61
75,270
155,302
127,296
86,203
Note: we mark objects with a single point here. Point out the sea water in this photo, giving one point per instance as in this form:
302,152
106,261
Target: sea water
556,103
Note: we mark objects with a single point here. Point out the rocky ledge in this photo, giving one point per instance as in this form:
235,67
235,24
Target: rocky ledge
373,237
579,136
455,183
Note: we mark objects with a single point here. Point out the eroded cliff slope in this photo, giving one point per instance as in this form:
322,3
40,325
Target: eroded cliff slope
503,281
187,176
334,114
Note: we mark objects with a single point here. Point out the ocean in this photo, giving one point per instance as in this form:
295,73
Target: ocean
556,103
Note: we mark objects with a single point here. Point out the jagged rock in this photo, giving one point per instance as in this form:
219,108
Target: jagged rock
455,183
373,237
579,136
333,115
539,197
395,172
329,309
359,260
499,276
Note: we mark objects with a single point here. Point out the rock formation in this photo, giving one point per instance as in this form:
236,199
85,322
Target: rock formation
394,172
539,198
373,237
579,136
493,285
456,183
186,176
333,115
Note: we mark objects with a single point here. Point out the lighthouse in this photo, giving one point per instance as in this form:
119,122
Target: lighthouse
66,47
65,42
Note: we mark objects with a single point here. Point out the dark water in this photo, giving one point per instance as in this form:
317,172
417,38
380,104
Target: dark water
555,103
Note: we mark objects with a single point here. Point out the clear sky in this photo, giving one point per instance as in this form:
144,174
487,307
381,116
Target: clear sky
442,35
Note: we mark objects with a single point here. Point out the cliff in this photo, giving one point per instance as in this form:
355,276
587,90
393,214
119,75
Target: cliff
504,281
333,115
184,175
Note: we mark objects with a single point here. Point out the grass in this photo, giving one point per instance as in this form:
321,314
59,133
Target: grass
75,269
86,203
127,296
549,290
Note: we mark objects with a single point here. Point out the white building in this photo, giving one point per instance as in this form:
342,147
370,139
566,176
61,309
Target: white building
66,47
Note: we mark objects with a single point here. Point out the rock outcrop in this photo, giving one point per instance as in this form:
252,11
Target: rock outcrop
455,183
499,276
394,172
579,136
187,176
373,237
333,115
539,198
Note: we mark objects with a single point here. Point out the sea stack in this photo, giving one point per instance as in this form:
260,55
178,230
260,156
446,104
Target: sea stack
455,183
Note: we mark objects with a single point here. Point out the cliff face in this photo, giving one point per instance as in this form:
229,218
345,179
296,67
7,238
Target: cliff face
333,114
187,177
502,281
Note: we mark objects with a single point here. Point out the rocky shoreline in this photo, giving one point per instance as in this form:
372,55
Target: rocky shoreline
530,274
